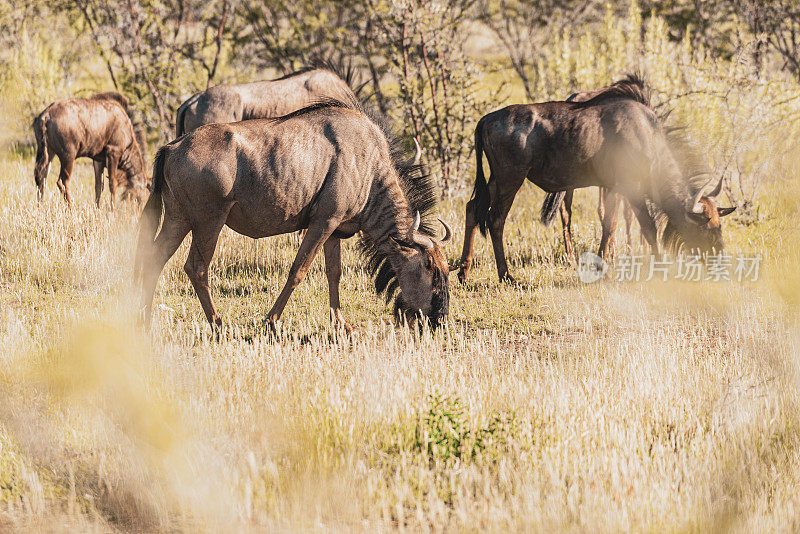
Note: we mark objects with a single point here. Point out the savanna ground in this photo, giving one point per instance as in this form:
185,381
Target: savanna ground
549,405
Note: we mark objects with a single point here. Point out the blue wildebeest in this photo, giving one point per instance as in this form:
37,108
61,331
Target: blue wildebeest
326,168
98,127
612,140
266,99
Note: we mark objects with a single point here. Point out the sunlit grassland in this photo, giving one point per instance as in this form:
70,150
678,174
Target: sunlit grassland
547,405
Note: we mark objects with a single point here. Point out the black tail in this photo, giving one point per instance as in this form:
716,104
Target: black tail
42,155
480,195
552,201
151,214
180,128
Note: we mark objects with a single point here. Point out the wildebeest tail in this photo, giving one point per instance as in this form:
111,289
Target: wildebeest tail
481,199
151,215
42,154
552,201
180,128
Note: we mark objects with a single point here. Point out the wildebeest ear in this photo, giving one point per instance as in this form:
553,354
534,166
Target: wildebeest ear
699,218
726,211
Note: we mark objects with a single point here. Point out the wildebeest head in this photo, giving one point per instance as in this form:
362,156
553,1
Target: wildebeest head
702,229
137,182
421,275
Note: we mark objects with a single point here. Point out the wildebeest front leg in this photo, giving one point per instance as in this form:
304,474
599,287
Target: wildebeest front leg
314,239
112,160
566,223
333,272
647,224
63,177
608,216
98,181
470,229
628,212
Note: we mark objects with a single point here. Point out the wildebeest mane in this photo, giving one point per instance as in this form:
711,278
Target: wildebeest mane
420,191
119,98
416,183
694,170
344,70
123,101
325,103
633,86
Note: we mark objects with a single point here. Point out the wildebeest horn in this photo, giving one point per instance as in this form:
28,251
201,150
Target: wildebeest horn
696,207
417,152
717,190
421,240
448,232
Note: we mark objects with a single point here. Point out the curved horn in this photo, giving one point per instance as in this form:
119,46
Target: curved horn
417,152
695,206
717,190
421,240
448,232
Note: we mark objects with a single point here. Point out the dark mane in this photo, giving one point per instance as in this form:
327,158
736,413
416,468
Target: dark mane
632,86
123,101
298,72
416,183
419,189
345,71
325,103
114,96
696,173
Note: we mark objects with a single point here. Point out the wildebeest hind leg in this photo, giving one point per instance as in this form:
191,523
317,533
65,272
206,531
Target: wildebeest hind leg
501,205
314,239
204,243
470,229
63,177
173,231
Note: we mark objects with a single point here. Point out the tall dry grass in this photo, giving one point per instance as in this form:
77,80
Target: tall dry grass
547,406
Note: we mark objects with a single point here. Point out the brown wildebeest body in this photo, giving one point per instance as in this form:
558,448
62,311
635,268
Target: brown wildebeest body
608,203
613,140
97,127
327,168
261,100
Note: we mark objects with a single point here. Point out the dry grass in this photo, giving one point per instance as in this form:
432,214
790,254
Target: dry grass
548,406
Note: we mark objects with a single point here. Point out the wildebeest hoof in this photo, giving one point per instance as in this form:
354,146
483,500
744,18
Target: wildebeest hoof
508,279
462,276
272,326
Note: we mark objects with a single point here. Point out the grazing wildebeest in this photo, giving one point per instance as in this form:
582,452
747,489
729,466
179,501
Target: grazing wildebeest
327,168
98,127
561,202
265,99
613,140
